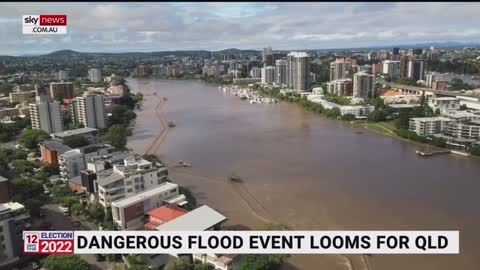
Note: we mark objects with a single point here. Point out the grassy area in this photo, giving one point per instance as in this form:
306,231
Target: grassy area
382,127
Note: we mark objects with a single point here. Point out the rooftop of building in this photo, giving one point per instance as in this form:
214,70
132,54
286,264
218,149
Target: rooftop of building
76,180
403,106
163,215
56,145
78,131
61,82
456,114
445,98
391,93
145,194
10,206
298,54
435,118
71,153
200,219
108,179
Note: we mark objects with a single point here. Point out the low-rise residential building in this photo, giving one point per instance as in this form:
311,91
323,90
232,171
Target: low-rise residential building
128,213
124,180
427,126
466,130
444,103
359,111
13,221
340,87
50,151
72,162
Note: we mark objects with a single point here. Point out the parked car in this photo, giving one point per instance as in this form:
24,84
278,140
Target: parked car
65,211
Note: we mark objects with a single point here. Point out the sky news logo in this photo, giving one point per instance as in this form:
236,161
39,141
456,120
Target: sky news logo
44,24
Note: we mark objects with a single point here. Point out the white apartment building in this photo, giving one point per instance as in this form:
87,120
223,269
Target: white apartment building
340,69
339,87
427,126
13,220
444,103
95,75
416,69
89,110
124,180
256,73
72,162
268,75
468,130
392,69
359,111
363,85
128,213
46,115
298,71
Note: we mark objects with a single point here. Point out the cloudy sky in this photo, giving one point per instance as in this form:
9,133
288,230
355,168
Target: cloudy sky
121,27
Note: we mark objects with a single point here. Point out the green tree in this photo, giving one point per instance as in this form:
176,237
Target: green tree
76,141
23,166
180,263
348,117
68,201
50,170
262,261
25,189
332,113
377,116
96,211
65,262
6,88
457,84
121,114
77,208
475,150
34,206
117,136
377,102
30,138
203,266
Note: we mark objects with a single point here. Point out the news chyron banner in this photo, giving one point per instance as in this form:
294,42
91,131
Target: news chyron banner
241,242
44,24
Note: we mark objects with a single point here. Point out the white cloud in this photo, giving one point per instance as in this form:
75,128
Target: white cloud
170,26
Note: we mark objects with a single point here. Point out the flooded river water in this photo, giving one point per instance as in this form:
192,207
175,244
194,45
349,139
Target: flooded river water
309,172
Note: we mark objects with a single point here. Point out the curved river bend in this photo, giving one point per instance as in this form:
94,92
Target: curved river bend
309,172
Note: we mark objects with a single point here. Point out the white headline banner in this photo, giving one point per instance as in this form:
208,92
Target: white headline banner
266,242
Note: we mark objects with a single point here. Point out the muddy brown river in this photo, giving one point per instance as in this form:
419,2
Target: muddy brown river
309,172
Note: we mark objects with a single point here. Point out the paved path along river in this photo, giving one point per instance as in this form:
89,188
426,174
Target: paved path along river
309,172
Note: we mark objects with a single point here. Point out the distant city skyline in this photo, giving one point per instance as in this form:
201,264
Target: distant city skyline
146,27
